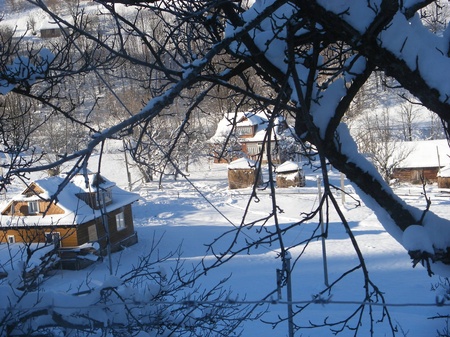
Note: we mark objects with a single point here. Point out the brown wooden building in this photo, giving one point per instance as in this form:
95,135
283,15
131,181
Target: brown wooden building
421,160
415,175
87,210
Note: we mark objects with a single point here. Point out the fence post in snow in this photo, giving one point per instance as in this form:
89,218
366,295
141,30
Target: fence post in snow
342,189
108,238
287,260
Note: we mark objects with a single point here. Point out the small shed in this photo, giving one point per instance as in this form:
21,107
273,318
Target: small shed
49,32
243,173
443,177
290,174
51,29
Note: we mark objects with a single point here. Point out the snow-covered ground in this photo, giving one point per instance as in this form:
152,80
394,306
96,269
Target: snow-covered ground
179,216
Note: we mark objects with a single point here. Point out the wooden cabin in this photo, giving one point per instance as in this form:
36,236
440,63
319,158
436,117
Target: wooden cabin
243,173
87,210
50,29
420,160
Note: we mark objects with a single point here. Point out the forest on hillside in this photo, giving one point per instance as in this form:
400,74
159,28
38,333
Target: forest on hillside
105,90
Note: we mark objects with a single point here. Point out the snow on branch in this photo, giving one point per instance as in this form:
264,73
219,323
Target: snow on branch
23,72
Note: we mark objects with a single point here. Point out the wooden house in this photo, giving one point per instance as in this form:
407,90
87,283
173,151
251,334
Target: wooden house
243,173
289,174
89,209
245,135
421,160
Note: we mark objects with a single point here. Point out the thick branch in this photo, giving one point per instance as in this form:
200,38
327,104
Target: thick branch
370,185
371,47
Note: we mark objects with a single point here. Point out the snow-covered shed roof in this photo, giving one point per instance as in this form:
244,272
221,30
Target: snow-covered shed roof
425,153
76,211
249,118
48,23
242,164
287,166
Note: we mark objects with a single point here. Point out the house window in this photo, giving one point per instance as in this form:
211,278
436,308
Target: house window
11,239
244,131
92,233
260,147
107,195
252,149
104,197
33,207
120,221
53,238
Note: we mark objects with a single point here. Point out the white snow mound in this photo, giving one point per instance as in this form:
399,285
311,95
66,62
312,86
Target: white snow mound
415,238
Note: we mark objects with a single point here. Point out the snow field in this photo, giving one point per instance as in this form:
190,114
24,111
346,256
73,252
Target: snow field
181,220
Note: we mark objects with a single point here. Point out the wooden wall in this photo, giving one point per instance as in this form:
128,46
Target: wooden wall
75,236
21,208
36,234
242,178
285,180
414,175
444,182
116,236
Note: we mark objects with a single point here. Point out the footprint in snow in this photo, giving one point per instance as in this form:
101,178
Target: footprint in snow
164,215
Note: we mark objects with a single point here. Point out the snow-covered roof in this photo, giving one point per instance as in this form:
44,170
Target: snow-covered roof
76,211
242,163
91,182
426,153
288,166
50,24
258,119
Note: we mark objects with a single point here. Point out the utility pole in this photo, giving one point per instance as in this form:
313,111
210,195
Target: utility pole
126,165
324,248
